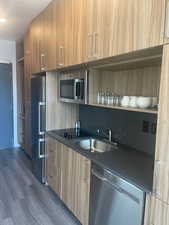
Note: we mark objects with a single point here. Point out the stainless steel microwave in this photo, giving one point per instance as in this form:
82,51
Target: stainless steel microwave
73,87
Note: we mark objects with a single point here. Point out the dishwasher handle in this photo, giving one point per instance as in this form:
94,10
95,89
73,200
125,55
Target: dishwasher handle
114,186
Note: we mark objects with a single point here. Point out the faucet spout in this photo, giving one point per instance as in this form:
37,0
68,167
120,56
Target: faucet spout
110,135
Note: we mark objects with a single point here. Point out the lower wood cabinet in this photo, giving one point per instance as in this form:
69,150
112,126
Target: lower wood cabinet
68,174
156,212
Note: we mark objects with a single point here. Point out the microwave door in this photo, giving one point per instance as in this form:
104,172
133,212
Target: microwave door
79,89
67,89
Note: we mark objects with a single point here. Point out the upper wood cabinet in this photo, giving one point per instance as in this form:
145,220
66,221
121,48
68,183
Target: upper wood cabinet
115,27
59,9
35,45
43,35
134,25
49,39
68,174
70,32
125,26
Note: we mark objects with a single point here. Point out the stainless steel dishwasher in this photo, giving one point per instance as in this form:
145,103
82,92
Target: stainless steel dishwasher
113,201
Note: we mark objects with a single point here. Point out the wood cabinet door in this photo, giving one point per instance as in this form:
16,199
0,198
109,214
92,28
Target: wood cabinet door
60,32
156,212
64,174
50,149
135,24
117,27
81,188
161,174
27,93
76,183
53,162
75,31
93,28
35,45
49,46
98,25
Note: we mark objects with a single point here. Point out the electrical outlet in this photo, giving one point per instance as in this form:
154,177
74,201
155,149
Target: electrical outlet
145,126
153,128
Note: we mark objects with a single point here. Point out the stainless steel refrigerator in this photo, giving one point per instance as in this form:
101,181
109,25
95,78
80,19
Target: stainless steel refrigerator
38,125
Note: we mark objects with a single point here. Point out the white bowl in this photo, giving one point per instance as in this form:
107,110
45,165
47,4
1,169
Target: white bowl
144,102
133,102
154,102
125,101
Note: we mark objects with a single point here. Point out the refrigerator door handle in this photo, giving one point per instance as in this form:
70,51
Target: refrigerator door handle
41,154
40,104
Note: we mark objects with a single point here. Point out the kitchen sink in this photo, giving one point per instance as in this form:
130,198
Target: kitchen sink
95,145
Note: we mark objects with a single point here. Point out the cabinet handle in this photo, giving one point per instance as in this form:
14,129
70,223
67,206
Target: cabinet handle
90,47
41,153
167,21
156,177
95,44
61,55
40,105
42,62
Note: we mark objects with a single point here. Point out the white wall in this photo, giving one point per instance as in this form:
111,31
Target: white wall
8,54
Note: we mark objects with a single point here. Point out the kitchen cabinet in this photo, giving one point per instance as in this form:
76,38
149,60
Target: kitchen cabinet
43,32
134,25
35,45
53,165
69,32
157,212
157,206
117,27
94,14
68,174
60,32
161,174
50,36
27,94
75,31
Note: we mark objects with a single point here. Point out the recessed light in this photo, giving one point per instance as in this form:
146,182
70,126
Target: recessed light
2,20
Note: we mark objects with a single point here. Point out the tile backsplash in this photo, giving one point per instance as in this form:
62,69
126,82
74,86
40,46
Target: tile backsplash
134,129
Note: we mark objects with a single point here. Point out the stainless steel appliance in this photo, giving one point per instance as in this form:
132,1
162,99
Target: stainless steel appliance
114,201
73,88
38,125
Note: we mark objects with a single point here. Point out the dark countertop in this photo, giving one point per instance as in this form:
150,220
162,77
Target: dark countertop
133,166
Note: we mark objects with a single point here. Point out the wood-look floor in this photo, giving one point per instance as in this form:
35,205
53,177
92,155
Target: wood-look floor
23,200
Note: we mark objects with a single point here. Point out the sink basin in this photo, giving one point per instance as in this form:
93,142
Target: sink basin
95,145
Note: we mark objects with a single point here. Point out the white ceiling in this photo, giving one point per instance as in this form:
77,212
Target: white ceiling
19,13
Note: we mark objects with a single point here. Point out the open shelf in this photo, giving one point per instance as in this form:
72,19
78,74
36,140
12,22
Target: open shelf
133,74
151,111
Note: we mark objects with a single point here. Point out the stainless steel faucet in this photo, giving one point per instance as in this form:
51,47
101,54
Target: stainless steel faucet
109,136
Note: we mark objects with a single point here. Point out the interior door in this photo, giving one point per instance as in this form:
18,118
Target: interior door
6,104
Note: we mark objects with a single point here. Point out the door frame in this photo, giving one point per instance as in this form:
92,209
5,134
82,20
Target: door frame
14,90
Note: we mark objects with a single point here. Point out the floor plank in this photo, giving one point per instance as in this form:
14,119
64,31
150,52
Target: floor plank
23,200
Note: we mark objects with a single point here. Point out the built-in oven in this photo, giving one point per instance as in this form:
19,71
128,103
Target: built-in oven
73,87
